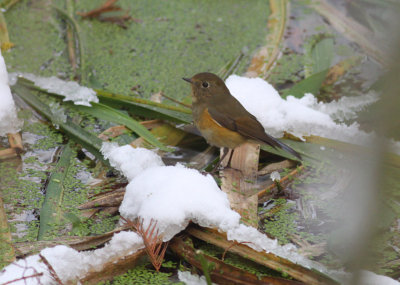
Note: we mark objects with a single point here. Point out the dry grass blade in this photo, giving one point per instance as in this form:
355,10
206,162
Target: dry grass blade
152,240
108,6
176,101
107,200
53,273
265,58
71,39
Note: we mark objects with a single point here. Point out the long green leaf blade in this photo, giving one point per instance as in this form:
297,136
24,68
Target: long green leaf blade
51,211
311,84
322,55
148,111
104,112
74,131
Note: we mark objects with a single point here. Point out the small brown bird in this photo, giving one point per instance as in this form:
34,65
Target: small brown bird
221,118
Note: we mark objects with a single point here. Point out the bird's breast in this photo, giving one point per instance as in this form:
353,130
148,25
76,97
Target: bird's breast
214,133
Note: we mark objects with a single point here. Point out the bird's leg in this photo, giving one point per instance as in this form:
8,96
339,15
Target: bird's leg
225,151
230,158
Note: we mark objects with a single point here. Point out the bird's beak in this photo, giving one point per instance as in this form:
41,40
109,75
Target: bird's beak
187,79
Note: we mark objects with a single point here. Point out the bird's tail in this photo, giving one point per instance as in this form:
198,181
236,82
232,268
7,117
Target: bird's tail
289,149
277,143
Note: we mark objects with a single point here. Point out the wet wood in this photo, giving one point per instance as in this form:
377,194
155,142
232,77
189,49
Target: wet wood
15,141
112,268
270,260
221,272
238,181
8,153
276,166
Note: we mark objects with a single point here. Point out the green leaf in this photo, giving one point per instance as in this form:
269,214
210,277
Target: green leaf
106,94
74,131
148,111
322,55
318,53
109,114
138,106
310,84
51,211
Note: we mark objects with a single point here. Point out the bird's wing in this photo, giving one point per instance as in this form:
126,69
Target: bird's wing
235,117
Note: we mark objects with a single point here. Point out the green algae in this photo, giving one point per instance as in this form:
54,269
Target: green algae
157,53
175,39
239,261
281,224
50,137
38,38
142,275
23,190
288,69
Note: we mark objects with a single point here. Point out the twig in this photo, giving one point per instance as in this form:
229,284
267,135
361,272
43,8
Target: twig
71,21
235,243
51,270
232,65
36,274
71,39
24,278
108,6
176,101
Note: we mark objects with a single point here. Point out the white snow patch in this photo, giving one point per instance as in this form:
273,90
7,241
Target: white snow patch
9,122
71,90
130,161
275,176
345,108
68,263
175,195
190,279
300,117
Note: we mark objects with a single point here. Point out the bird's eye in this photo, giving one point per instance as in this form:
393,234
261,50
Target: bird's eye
205,84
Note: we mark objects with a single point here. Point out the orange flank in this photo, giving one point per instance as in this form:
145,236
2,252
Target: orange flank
216,134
